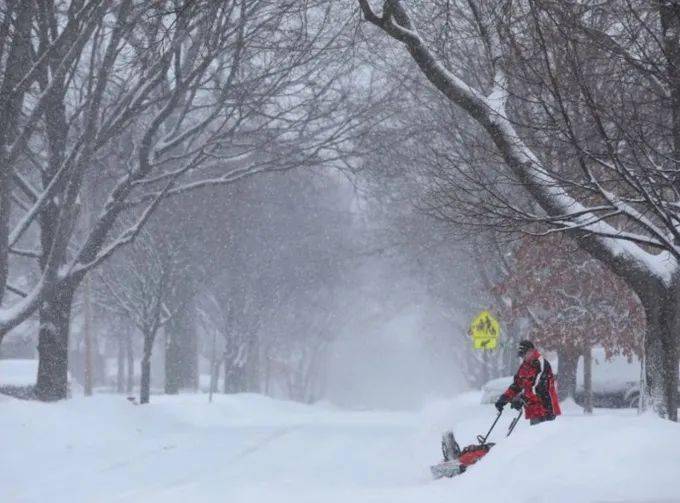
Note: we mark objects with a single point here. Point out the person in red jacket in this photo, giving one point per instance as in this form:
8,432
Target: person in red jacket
533,387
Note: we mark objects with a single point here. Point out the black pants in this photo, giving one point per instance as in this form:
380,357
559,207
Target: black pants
538,420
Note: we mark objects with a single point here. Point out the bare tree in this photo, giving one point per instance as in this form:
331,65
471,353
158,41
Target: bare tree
142,102
136,285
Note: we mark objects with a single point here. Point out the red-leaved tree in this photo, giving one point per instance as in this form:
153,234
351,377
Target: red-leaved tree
568,303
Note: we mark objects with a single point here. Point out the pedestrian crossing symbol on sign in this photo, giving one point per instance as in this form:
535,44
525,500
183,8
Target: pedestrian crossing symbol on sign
485,331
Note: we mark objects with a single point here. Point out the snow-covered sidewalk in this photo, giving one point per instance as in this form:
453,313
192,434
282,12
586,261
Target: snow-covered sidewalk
248,448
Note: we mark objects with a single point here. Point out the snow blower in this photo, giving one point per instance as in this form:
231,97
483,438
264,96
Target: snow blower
456,460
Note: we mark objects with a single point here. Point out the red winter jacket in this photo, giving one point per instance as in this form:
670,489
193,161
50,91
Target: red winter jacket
536,383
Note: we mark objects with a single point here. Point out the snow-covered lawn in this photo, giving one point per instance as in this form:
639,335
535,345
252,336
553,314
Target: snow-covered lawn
249,448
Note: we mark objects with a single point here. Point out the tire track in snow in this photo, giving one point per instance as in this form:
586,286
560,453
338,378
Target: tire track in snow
264,442
149,492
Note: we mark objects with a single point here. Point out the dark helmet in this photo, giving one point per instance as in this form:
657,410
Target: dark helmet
524,347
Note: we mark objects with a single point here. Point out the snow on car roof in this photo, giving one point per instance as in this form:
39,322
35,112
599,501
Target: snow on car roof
500,382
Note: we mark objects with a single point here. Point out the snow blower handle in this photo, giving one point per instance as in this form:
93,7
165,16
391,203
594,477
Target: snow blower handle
514,422
482,439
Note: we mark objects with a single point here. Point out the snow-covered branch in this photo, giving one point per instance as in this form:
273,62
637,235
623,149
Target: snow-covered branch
491,114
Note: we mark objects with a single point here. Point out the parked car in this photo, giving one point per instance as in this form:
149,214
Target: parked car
616,382
494,388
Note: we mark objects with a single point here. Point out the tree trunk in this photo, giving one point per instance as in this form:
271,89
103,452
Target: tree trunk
670,375
218,370
653,366
190,374
172,361
145,382
267,375
661,356
130,352
213,381
55,317
120,366
18,52
588,380
181,349
253,370
5,206
87,338
214,376
666,363
227,385
234,377
566,376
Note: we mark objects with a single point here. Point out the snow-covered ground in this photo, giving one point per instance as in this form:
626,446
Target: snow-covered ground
248,448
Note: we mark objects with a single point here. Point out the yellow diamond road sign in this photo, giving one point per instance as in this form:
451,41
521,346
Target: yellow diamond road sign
485,331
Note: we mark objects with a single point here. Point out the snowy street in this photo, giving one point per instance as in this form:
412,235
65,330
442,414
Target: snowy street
248,448
266,251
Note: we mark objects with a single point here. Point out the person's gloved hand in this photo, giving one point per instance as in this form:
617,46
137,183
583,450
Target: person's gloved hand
518,402
500,403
